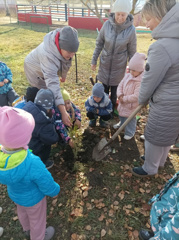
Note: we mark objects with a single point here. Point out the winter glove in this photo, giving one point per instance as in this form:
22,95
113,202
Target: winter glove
94,111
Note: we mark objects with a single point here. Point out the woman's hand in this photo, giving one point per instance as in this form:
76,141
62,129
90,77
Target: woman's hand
66,119
62,79
65,115
93,67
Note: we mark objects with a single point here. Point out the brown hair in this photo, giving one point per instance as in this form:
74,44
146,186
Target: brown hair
157,8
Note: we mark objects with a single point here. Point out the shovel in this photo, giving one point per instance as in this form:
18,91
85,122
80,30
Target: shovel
102,149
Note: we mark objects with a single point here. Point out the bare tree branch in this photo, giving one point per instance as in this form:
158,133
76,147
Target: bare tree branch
96,12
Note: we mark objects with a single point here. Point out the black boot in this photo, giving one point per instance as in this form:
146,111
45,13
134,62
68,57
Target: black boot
145,234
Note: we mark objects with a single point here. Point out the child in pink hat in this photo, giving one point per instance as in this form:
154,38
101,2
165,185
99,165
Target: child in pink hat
128,92
27,179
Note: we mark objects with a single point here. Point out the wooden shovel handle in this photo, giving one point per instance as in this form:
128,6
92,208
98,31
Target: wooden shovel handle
125,123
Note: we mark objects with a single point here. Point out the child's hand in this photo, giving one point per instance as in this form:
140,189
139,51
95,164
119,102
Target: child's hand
2,84
71,143
6,80
121,98
97,111
77,123
93,67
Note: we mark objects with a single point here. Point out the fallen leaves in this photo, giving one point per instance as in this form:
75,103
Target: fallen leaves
103,232
15,218
88,228
85,194
102,217
121,195
77,212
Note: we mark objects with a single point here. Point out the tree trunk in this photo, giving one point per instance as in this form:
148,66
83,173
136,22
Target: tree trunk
7,8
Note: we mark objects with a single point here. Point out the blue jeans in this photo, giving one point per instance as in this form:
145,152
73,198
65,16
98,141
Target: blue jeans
131,126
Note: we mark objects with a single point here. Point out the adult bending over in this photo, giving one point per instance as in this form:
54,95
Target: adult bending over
160,84
117,41
51,59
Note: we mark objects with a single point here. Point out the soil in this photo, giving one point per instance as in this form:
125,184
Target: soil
126,152
121,150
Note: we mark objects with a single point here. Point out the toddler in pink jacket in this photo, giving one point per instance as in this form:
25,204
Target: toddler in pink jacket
128,92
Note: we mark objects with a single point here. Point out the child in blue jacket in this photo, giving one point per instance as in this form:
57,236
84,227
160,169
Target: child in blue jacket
28,181
44,134
75,116
164,215
98,105
7,93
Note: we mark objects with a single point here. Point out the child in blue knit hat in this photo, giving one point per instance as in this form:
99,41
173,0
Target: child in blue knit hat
98,105
7,93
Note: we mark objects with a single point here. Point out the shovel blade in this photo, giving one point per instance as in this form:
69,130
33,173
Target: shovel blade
100,151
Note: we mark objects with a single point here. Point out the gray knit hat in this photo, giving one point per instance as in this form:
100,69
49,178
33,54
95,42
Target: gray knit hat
69,39
44,98
98,90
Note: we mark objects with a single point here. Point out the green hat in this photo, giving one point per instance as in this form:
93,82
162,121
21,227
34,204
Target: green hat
65,94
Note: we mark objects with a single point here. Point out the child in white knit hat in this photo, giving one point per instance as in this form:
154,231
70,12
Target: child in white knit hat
128,92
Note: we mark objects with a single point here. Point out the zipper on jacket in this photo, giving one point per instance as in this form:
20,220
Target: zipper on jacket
112,58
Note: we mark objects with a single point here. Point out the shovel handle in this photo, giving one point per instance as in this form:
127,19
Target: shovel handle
92,81
124,124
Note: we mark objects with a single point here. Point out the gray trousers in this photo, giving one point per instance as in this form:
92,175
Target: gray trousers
155,157
8,98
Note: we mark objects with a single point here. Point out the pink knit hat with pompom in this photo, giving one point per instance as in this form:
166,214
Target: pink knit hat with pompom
16,127
137,62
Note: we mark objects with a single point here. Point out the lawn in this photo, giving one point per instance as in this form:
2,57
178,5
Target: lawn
98,200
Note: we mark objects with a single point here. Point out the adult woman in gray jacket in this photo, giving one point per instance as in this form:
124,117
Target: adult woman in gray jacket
50,60
160,84
117,44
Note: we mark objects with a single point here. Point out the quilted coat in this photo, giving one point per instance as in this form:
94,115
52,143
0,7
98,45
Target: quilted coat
45,64
164,216
129,87
5,72
117,44
104,106
44,132
27,179
160,83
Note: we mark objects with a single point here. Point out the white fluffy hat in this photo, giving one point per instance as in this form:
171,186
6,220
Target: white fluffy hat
122,6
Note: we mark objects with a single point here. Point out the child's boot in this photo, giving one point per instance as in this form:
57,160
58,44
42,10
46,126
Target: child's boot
50,231
92,123
49,163
145,234
27,234
1,231
102,123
